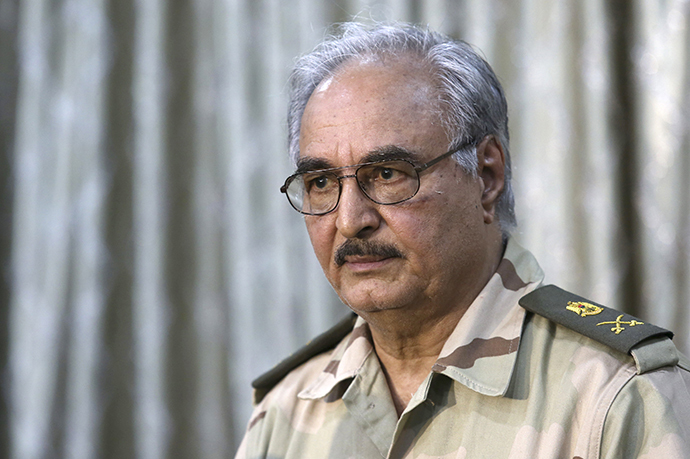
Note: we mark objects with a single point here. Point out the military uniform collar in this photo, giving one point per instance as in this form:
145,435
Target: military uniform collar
347,360
482,350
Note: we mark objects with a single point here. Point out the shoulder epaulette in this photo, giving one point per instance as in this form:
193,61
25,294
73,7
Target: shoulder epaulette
614,328
316,346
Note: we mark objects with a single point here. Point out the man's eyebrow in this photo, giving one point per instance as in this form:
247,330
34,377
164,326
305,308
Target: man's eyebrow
384,153
389,153
309,163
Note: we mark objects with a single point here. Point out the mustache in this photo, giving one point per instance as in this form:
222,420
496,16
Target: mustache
359,247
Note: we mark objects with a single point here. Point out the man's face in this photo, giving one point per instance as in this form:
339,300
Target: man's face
423,253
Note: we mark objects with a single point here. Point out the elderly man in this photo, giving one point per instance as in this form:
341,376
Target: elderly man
400,140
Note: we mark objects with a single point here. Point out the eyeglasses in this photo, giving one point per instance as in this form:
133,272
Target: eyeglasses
383,182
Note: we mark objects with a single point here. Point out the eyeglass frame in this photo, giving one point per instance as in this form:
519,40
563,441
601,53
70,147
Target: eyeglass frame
417,169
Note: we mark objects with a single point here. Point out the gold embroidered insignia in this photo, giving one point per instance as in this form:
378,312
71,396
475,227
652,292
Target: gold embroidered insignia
618,322
583,309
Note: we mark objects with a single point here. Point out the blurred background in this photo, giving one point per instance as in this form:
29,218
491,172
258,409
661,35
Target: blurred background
151,268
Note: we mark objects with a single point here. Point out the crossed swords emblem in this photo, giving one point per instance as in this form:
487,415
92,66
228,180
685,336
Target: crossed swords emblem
586,309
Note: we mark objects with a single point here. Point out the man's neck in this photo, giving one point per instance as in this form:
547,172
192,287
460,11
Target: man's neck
406,359
408,341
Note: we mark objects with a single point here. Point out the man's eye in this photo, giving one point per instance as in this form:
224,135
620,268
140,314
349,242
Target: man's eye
321,182
318,182
387,173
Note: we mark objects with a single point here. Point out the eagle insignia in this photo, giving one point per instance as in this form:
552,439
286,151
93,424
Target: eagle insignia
583,309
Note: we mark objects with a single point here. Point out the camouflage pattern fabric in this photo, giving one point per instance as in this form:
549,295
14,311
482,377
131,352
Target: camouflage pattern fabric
507,384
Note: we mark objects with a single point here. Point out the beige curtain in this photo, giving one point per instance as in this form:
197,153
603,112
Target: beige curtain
153,268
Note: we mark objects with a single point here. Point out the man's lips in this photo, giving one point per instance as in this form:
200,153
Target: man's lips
361,264
357,251
365,259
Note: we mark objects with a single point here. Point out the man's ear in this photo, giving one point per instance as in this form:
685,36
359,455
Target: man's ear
491,171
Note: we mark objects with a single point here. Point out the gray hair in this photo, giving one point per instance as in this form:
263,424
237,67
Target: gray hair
471,97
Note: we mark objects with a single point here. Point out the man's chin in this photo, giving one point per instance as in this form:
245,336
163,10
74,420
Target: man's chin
383,289
376,314
365,302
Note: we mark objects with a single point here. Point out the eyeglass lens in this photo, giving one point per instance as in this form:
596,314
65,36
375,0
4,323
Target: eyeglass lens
389,182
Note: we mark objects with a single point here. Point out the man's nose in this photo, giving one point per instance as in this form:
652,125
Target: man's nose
357,215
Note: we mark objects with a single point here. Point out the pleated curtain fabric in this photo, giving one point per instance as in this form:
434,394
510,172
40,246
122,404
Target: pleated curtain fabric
151,267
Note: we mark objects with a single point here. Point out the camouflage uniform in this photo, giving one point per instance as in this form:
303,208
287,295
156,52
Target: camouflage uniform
508,384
